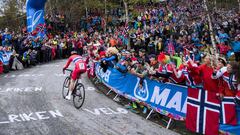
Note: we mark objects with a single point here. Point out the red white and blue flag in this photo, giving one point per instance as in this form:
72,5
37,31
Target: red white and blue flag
41,28
203,109
125,30
228,111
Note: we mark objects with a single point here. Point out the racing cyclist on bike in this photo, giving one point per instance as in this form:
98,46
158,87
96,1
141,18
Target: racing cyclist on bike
80,68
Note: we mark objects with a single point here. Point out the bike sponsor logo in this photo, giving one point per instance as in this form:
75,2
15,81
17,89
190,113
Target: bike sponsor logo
21,90
106,111
31,116
141,90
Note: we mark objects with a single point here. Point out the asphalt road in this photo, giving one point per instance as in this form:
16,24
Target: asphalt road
31,103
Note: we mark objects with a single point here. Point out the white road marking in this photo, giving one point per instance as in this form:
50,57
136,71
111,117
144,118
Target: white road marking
32,116
90,89
106,111
4,122
21,90
23,75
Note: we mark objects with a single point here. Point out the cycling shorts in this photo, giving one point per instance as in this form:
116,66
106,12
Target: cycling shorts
76,74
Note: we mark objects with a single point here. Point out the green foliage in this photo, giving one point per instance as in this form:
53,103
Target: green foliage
12,14
223,4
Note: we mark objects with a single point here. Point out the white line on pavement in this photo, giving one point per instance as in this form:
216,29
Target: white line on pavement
4,122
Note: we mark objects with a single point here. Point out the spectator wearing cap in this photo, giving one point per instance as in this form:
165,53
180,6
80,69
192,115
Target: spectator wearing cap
221,63
123,55
138,43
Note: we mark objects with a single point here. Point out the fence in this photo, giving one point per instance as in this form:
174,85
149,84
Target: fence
164,98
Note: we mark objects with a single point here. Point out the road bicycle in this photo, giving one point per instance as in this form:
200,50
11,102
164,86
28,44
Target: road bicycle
78,91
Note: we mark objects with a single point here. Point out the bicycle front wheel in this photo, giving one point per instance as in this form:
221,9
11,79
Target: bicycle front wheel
65,87
79,95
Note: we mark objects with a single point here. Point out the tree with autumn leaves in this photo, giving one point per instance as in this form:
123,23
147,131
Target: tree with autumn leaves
13,12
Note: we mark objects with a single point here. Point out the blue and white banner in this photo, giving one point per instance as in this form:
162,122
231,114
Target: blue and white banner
167,99
35,14
5,57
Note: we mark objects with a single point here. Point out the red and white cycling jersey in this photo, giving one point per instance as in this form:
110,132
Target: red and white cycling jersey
80,65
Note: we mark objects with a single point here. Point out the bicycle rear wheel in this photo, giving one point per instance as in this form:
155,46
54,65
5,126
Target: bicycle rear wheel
79,95
65,87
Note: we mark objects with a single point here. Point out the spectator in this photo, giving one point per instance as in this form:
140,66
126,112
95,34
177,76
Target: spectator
111,60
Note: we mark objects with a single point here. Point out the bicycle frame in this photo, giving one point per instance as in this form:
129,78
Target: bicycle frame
78,79
78,93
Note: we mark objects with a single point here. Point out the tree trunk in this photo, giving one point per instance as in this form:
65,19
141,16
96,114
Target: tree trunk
238,5
215,5
86,9
210,28
126,20
105,6
126,11
86,12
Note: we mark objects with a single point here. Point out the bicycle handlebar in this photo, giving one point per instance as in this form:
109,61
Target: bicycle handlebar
69,70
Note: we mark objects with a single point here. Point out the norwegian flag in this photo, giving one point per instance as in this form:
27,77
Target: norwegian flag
203,109
228,111
125,30
41,28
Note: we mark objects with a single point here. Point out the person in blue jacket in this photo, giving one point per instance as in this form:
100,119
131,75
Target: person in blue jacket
111,60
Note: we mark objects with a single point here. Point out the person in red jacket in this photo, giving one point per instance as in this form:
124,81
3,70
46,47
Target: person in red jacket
205,72
80,67
203,105
191,79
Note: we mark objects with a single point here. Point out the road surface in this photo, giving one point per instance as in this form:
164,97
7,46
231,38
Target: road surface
31,104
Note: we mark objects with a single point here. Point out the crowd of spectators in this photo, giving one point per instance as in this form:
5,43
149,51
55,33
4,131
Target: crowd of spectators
172,43
164,41
19,51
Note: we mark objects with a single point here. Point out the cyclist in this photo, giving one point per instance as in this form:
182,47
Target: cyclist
80,68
